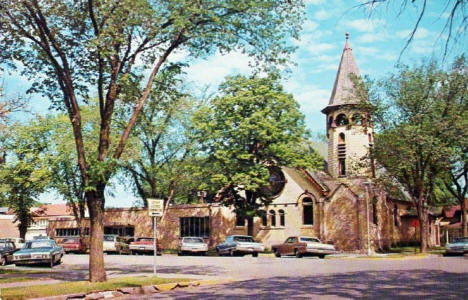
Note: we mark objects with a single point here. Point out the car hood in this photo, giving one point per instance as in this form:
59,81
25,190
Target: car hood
35,250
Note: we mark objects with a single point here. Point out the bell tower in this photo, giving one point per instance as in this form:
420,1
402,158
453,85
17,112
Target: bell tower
349,131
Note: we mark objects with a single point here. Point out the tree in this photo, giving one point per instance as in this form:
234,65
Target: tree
70,47
412,112
252,128
162,139
455,27
26,173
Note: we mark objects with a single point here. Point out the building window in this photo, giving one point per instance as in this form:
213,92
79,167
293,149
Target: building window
272,218
341,120
65,232
341,138
357,119
276,183
342,167
263,216
308,211
195,226
119,230
281,215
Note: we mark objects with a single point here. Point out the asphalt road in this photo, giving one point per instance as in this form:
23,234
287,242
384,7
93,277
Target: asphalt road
288,277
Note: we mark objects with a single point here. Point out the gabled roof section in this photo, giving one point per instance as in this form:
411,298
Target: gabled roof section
342,93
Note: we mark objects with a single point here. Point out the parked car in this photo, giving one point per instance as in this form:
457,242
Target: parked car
144,245
39,251
239,245
19,242
192,245
73,245
116,244
7,248
458,246
302,246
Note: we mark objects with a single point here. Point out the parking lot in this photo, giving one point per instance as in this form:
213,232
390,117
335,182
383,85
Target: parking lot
269,277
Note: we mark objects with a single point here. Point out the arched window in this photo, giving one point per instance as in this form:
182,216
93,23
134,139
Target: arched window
282,219
342,167
341,138
341,120
272,218
357,119
308,211
263,216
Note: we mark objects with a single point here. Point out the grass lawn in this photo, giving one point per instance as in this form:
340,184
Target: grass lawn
13,271
16,279
416,249
82,287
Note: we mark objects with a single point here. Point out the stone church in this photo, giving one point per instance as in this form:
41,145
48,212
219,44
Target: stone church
339,204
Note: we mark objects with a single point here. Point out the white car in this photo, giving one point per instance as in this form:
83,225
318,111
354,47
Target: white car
240,244
192,245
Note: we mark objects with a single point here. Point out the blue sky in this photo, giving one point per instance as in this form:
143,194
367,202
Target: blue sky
376,43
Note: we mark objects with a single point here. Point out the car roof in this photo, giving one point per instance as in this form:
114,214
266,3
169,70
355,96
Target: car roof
238,235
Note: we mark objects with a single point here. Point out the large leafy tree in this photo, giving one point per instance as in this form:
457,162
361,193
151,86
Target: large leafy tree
70,47
251,128
26,173
417,127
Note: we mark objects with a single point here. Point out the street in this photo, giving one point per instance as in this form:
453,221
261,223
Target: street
267,277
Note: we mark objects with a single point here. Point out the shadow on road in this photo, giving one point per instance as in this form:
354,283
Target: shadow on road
363,285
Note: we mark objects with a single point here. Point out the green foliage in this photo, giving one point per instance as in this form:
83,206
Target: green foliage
250,128
26,172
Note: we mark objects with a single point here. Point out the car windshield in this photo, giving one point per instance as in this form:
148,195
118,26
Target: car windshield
2,245
39,244
247,239
309,239
193,240
109,238
462,240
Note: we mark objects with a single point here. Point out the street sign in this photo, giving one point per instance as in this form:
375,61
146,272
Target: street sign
155,207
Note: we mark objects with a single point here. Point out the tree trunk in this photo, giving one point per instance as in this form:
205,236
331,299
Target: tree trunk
250,226
423,229
463,218
95,200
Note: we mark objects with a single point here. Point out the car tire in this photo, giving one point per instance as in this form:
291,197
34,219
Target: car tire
51,263
3,261
203,254
277,253
180,253
255,254
297,253
322,256
231,253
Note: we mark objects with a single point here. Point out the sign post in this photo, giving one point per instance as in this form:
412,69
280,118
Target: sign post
155,209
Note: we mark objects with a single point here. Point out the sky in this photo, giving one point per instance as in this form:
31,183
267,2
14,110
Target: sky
376,40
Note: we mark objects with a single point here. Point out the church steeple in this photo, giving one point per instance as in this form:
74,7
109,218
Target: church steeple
349,132
343,88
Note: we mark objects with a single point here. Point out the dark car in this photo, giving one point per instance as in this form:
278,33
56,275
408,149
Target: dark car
73,245
40,251
458,246
239,245
302,246
7,248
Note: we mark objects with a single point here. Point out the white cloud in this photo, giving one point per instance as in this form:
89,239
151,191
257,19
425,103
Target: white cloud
372,37
309,26
364,25
322,14
420,34
314,2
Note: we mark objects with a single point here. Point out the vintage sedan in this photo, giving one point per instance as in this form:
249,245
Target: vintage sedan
41,251
239,245
144,245
302,246
192,245
458,246
7,248
73,245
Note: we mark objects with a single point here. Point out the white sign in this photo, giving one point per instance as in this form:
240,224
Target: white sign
155,207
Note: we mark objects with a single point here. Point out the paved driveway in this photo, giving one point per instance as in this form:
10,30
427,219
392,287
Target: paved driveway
288,277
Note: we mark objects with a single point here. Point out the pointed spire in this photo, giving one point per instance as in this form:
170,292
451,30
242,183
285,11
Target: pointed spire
342,93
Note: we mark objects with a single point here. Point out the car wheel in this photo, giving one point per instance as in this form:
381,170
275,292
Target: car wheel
231,253
277,253
180,253
255,254
203,253
3,261
51,263
322,256
297,253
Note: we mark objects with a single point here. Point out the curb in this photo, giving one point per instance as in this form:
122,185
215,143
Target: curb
375,257
142,290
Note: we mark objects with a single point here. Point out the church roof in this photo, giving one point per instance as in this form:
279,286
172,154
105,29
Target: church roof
342,93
